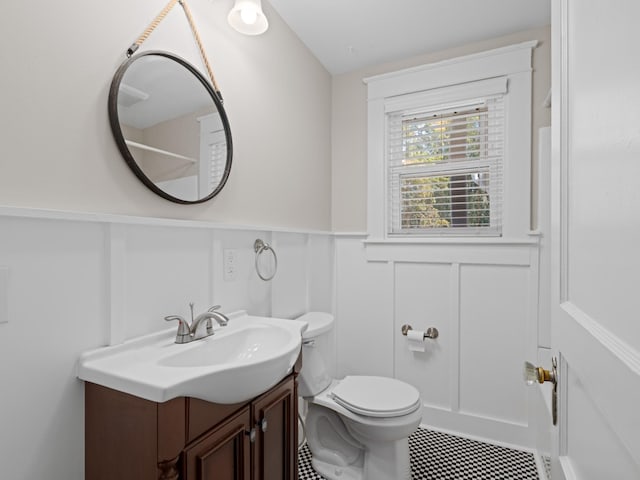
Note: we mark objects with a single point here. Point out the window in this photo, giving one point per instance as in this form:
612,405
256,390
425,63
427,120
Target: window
445,169
213,153
449,151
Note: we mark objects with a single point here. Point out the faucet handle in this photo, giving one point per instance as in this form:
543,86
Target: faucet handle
183,326
220,317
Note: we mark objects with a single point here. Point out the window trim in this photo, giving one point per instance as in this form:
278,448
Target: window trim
458,79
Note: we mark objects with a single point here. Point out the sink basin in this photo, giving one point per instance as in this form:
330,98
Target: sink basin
250,344
239,362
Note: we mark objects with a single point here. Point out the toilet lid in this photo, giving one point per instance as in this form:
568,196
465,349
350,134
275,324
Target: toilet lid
376,396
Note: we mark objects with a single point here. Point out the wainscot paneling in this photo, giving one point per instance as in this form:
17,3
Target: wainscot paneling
165,269
494,305
364,312
424,297
57,308
320,261
243,290
289,293
79,281
482,297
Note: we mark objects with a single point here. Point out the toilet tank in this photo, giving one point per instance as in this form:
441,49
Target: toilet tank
314,376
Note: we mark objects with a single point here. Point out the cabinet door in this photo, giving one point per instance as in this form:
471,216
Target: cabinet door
223,454
275,450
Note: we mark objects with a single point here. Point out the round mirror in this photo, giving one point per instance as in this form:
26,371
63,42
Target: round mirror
170,127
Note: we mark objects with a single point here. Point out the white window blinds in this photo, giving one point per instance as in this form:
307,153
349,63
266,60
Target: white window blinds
217,158
213,153
445,169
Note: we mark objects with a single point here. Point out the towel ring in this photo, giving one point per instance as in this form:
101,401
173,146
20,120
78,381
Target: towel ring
260,247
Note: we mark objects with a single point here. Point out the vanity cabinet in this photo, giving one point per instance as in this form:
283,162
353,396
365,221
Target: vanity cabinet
275,416
129,438
224,453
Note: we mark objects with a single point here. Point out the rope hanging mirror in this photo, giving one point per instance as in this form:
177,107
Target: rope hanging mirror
156,21
169,122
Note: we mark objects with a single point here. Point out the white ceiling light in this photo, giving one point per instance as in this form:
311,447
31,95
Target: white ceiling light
247,17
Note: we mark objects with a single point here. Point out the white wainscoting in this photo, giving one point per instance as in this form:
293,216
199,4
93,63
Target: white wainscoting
482,297
79,281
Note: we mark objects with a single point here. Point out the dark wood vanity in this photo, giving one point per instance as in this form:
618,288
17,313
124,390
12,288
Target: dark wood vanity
129,438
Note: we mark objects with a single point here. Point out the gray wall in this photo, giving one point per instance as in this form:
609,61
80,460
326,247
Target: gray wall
349,123
58,59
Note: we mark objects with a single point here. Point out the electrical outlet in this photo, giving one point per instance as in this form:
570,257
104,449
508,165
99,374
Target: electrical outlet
230,264
4,294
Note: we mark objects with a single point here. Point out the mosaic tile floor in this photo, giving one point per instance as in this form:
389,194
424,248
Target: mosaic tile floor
440,456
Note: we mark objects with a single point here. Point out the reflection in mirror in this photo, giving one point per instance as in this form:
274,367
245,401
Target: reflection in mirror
171,127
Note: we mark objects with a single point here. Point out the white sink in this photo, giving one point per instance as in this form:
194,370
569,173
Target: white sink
240,361
253,343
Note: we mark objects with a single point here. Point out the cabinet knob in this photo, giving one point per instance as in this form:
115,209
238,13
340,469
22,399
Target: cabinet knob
252,435
263,425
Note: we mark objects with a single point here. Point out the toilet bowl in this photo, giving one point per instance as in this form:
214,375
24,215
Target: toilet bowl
358,427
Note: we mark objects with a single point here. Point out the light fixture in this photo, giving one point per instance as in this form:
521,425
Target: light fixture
247,17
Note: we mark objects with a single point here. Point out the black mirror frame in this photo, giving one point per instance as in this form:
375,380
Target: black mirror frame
124,149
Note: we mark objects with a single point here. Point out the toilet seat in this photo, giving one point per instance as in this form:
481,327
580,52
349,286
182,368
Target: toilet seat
376,396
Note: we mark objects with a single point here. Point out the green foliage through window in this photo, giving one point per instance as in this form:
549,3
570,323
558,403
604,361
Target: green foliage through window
444,201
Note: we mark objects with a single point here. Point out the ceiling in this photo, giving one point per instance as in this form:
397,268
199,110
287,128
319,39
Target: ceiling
347,35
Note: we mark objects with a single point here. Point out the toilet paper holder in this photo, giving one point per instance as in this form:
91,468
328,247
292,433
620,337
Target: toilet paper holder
431,332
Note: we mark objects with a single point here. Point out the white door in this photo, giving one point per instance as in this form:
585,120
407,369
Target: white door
596,238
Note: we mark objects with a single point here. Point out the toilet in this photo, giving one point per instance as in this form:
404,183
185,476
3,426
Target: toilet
357,428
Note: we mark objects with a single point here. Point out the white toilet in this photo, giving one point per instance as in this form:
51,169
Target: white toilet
357,428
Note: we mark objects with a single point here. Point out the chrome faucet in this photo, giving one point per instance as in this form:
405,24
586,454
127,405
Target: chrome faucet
188,333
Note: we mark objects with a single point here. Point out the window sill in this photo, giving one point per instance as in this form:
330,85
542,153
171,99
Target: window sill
532,240
454,250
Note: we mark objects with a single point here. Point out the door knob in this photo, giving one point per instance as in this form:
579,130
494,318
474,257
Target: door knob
539,374
533,374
